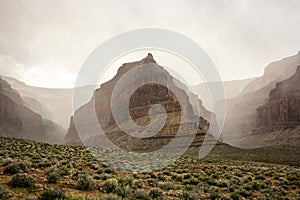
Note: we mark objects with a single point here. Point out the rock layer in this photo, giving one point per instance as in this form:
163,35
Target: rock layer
140,102
282,110
16,120
241,110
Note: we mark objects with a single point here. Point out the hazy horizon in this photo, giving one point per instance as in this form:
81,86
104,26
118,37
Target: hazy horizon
45,43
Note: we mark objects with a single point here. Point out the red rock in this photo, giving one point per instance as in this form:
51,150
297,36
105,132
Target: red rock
139,104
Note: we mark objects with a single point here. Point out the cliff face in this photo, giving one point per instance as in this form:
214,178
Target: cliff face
53,104
282,110
241,110
139,105
16,120
277,121
231,89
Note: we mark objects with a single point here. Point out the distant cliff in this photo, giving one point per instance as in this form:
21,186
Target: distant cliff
241,110
140,102
17,120
51,103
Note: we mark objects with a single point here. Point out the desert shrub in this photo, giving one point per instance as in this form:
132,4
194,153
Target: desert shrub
4,193
125,180
255,185
84,183
292,176
190,195
141,194
122,191
167,186
53,177
15,167
12,168
221,184
97,177
22,181
109,171
166,172
63,171
211,181
75,197
52,194
214,195
215,176
137,184
156,193
235,196
191,181
244,193
161,177
260,177
152,175
110,185
110,197
76,173
187,176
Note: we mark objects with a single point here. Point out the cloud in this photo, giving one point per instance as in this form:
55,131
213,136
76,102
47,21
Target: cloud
53,74
241,36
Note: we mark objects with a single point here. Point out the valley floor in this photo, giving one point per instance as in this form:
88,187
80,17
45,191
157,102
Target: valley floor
31,170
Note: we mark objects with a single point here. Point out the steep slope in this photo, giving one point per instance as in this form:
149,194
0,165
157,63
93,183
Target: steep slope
19,121
274,72
241,110
278,120
231,88
52,104
139,105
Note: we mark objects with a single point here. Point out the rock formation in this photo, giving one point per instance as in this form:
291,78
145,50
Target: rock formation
282,110
51,103
241,110
16,120
231,89
277,121
139,105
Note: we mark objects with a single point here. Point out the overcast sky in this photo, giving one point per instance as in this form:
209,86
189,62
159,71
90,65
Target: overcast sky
45,42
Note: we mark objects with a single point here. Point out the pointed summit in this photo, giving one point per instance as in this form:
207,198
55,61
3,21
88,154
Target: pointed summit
148,59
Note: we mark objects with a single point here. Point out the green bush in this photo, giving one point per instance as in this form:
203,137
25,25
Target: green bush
255,185
245,193
110,197
53,177
125,180
140,194
84,183
109,171
221,184
155,193
63,171
214,195
190,195
52,194
75,197
137,184
22,181
235,196
4,193
111,185
14,168
122,191
97,177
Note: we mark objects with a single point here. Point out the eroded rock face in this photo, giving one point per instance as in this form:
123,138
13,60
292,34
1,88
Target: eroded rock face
16,120
241,111
282,110
139,104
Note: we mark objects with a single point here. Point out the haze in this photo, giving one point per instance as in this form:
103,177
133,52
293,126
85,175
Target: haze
44,43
